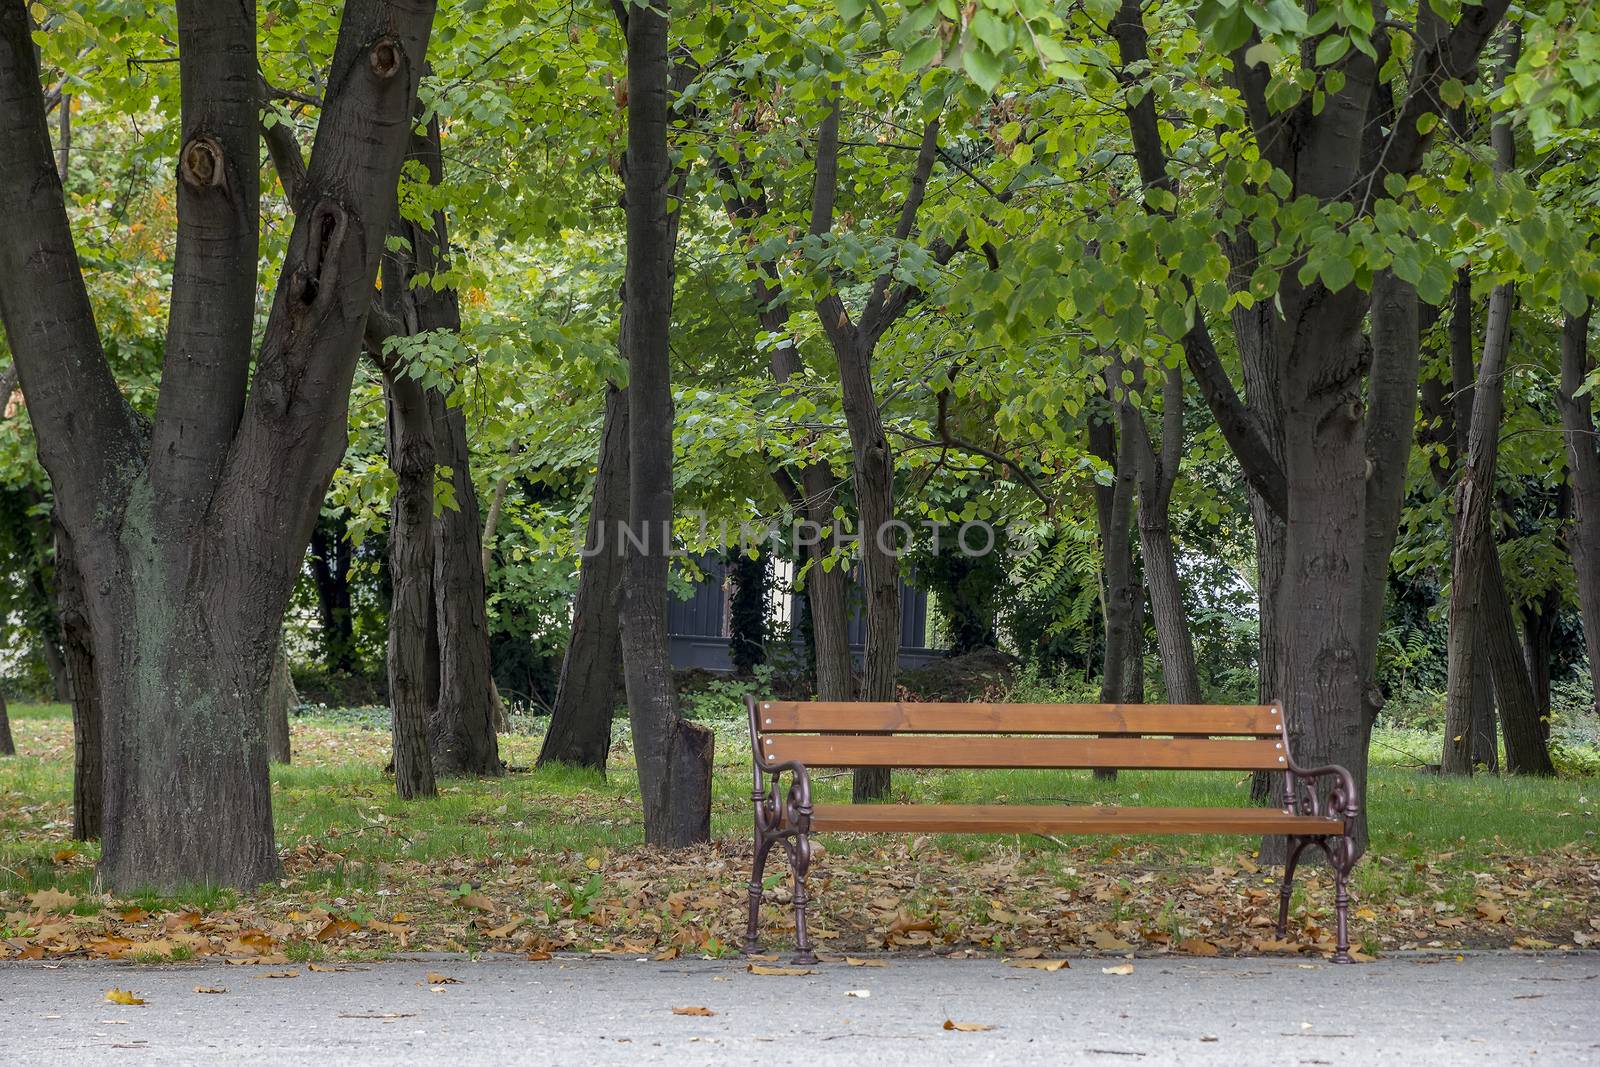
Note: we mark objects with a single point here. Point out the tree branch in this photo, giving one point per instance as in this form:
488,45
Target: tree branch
212,318
1238,423
89,440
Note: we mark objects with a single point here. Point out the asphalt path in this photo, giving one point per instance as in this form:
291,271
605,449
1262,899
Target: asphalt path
1508,1008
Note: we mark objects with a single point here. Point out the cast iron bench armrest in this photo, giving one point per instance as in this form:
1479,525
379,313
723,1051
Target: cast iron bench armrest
1341,798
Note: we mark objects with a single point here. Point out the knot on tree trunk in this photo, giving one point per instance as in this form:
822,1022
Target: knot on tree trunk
201,163
386,58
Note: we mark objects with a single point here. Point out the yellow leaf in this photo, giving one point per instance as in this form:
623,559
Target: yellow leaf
855,961
279,974
693,1009
966,1028
209,989
593,863
439,979
1195,946
123,996
1039,965
1121,968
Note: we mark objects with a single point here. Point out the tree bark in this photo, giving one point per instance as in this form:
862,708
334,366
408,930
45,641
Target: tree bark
464,739
747,608
1119,592
463,724
1583,472
8,744
1478,689
673,755
190,536
1480,611
872,461
413,684
1157,473
281,696
88,760
586,695
1478,603
330,573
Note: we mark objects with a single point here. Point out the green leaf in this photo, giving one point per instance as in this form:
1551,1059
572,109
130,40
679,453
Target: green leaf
1331,50
985,68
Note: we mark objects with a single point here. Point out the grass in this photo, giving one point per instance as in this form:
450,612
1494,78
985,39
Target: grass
564,840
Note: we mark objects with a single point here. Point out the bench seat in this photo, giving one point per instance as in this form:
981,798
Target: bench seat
1055,819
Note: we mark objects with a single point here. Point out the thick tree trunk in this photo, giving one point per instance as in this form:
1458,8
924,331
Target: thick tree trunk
191,536
1583,473
587,694
8,744
88,762
413,684
673,755
330,573
281,696
1321,599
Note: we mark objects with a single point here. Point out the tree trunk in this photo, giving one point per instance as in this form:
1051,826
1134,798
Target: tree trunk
330,574
1119,591
1538,638
586,695
1480,612
413,686
191,535
747,644
1583,472
281,696
463,725
1321,599
873,464
1157,474
88,761
8,744
674,756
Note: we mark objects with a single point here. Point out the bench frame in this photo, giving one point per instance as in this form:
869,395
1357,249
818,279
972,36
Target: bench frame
784,817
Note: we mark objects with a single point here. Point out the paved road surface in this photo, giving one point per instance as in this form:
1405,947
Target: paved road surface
1504,1009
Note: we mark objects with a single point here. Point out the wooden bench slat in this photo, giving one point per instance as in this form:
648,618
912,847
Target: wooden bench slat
790,716
994,753
1031,819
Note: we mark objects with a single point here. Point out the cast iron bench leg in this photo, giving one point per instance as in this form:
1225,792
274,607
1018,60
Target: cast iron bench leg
752,935
800,860
1341,852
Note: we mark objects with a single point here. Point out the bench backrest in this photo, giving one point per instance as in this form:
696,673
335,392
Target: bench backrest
995,736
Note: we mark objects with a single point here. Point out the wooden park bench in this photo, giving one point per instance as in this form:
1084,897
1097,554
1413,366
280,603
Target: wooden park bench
793,737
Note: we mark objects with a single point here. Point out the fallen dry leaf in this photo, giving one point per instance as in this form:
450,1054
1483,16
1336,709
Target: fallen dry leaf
279,974
966,1028
52,900
123,996
1121,968
856,961
756,968
209,989
693,1009
1039,965
478,901
861,994
440,979
1195,946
